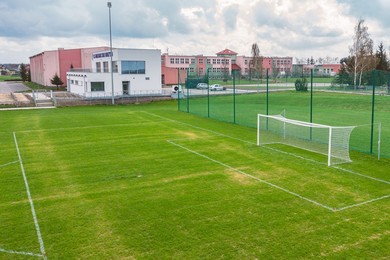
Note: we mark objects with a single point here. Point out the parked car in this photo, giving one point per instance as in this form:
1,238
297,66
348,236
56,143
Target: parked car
217,87
202,86
176,88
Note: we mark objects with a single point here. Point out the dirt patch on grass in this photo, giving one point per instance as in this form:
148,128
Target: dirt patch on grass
239,177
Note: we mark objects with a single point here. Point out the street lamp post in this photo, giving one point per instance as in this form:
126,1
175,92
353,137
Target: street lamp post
111,54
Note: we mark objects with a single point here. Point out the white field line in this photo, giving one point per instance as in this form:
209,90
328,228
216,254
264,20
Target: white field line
40,240
3,165
20,253
278,187
362,203
253,177
269,148
199,128
361,175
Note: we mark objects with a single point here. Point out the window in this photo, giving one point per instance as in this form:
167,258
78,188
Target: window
105,66
133,67
200,61
208,61
177,60
172,60
218,61
214,61
187,61
192,70
97,86
147,78
181,60
98,67
246,62
192,61
115,66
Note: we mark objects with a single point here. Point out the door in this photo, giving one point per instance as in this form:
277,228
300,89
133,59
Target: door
126,87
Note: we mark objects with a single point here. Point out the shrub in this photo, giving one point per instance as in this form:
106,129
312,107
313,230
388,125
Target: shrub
301,84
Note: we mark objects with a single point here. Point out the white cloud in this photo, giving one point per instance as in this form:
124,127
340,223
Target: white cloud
301,28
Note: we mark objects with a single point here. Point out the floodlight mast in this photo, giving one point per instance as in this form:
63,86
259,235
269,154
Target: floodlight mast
109,5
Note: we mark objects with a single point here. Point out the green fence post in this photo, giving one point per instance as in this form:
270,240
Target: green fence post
188,94
311,103
208,92
234,97
372,110
178,90
267,88
266,125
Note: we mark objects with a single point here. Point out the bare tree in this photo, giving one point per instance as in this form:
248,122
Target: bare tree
362,51
257,61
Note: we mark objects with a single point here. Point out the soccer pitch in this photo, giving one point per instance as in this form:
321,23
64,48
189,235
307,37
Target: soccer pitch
149,182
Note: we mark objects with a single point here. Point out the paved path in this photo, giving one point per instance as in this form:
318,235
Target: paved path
9,87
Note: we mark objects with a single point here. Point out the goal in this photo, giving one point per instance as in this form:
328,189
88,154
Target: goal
331,141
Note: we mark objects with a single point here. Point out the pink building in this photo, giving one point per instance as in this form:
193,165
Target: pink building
172,76
275,65
221,66
318,69
46,64
196,65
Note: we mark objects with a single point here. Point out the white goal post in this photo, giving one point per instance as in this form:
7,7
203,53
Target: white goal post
331,141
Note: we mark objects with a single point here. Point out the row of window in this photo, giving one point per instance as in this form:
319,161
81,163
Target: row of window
274,61
128,67
77,82
201,61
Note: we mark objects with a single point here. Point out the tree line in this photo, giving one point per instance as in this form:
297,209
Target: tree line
356,69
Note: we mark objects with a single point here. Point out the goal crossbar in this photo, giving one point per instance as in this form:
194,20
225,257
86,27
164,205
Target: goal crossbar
332,141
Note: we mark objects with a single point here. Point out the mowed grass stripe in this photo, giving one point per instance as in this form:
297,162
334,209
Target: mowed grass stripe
124,192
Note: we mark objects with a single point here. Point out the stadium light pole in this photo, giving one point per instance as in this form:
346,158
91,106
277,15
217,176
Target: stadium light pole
109,5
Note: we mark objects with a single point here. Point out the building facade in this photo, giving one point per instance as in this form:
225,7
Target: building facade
216,67
45,65
221,65
134,71
323,70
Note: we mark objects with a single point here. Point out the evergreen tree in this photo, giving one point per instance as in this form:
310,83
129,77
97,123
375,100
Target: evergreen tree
23,72
381,56
56,81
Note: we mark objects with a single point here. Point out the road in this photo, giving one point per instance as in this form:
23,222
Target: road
9,87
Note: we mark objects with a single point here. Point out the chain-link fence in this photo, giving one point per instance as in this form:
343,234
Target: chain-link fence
338,101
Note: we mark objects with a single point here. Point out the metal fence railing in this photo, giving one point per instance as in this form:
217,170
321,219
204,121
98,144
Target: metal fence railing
326,100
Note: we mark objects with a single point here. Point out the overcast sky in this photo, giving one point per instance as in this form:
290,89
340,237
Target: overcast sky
297,28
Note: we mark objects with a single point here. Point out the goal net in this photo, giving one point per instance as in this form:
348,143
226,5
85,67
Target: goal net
331,141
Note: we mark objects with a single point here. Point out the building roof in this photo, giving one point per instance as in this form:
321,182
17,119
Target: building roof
235,67
227,52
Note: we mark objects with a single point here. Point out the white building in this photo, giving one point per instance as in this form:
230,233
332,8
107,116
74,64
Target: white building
135,72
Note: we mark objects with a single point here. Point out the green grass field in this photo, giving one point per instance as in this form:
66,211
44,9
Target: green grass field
149,182
330,108
4,78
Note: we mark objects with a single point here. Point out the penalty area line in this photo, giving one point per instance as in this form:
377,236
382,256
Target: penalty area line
253,177
20,253
4,165
362,203
361,175
40,240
